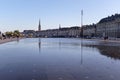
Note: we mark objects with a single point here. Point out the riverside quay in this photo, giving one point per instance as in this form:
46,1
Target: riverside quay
106,27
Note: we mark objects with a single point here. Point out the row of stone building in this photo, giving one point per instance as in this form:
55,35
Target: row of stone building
109,26
89,31
61,32
106,27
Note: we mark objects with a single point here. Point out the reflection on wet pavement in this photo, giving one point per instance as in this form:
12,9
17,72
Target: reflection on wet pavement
107,49
59,59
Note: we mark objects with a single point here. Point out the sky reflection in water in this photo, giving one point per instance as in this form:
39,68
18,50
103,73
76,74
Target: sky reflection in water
59,59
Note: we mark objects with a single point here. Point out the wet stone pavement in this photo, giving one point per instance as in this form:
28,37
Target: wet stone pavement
59,59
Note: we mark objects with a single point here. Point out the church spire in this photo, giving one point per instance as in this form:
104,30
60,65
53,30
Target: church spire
39,26
59,26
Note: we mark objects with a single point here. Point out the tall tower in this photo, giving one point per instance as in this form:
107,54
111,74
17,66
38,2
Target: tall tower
59,26
39,26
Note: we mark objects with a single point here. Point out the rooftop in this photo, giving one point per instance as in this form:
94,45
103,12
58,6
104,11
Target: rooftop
110,18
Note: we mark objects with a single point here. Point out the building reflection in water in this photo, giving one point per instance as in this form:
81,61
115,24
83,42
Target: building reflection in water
60,43
81,52
109,51
39,44
75,45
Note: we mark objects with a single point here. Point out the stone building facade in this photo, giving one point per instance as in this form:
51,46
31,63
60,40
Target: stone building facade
109,27
106,27
89,30
29,33
61,32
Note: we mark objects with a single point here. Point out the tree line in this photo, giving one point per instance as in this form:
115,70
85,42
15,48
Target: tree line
10,34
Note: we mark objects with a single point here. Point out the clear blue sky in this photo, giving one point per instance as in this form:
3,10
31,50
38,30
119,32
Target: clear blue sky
25,14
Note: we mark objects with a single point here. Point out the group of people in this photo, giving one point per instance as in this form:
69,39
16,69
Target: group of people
2,36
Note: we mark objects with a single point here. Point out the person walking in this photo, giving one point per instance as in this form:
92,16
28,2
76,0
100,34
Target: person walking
0,35
3,35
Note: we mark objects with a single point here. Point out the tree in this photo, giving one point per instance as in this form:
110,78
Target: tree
16,33
9,34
